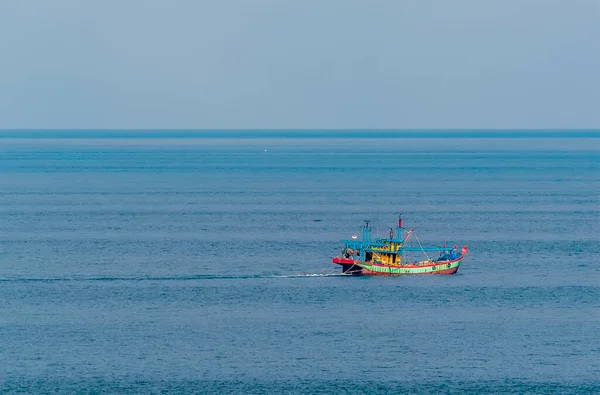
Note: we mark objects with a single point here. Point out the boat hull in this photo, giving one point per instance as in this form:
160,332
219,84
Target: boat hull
350,266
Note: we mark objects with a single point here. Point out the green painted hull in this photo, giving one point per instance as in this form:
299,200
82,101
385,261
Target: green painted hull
448,267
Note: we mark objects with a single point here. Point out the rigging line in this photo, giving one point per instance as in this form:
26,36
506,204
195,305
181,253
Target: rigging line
418,241
406,242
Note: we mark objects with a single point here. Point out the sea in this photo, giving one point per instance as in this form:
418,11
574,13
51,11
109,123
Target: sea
201,262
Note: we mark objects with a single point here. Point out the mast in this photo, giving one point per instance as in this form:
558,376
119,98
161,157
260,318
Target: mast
366,236
400,238
399,230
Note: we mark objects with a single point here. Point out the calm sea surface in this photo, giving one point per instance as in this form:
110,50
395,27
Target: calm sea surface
199,264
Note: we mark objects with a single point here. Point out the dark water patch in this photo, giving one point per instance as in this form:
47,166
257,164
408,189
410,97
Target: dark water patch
298,134
316,386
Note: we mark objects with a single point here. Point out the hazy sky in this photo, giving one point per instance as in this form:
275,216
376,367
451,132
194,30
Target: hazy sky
299,64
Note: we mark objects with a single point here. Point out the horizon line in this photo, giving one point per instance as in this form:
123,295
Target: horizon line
301,129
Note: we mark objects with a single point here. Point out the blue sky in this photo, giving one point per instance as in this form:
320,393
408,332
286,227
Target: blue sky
300,64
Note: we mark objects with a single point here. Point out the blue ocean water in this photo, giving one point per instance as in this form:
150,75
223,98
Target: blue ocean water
200,264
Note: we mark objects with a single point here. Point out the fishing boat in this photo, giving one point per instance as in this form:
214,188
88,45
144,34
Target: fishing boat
389,256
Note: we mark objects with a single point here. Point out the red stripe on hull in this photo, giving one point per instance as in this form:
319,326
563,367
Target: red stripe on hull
447,271
341,261
367,272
